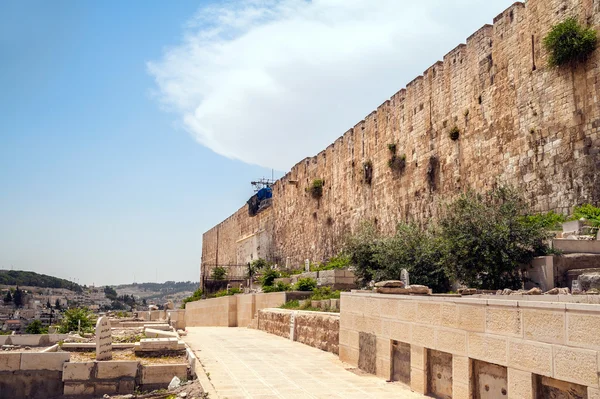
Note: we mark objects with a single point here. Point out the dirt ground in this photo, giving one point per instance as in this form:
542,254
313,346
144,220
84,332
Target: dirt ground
129,354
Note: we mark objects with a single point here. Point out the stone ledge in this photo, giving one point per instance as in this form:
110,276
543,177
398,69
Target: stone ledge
162,373
44,361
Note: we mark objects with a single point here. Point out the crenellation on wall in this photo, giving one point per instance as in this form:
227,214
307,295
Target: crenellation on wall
527,125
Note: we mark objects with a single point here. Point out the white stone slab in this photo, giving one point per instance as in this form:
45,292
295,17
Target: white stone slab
103,339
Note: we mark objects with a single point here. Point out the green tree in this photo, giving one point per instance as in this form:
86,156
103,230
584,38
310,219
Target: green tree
57,304
144,302
489,238
417,250
36,327
268,277
8,298
48,304
362,247
71,318
219,273
18,298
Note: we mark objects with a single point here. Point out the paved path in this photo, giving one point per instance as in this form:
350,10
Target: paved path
245,363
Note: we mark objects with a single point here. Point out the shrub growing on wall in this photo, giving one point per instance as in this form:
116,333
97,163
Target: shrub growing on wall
569,43
368,171
454,133
316,188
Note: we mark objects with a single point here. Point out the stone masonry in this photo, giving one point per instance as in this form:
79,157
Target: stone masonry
521,123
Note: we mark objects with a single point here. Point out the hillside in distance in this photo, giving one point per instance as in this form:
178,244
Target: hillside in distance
159,292
32,279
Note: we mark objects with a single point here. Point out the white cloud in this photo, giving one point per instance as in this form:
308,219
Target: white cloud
270,82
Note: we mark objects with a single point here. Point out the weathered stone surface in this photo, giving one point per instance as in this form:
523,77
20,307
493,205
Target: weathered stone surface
10,361
77,371
117,369
44,361
589,281
103,339
549,147
390,284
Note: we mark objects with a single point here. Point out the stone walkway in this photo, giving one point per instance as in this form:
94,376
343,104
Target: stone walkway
245,363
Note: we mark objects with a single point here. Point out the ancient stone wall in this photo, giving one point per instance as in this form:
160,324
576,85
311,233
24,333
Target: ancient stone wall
520,122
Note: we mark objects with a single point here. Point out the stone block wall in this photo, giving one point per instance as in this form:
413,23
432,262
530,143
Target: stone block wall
316,329
236,310
32,339
531,342
521,123
31,375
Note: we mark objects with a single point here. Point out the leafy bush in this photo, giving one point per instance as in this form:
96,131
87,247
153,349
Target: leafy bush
196,296
306,284
393,147
73,316
482,241
368,171
232,291
416,250
324,293
219,273
550,220
294,304
280,286
316,188
36,327
268,277
569,43
341,261
589,213
487,239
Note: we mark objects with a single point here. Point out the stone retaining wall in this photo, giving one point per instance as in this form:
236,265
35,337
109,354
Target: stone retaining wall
525,343
31,375
236,310
316,329
32,339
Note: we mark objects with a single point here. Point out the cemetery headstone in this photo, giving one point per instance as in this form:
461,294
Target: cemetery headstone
103,339
575,287
306,265
404,277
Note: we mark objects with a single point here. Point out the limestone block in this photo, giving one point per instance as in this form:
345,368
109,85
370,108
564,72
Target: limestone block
583,330
162,327
384,348
79,388
544,326
449,315
117,369
520,384
430,313
104,388
451,341
471,317
530,356
349,338
504,321
408,311
576,365
492,349
163,373
77,371
10,361
396,330
593,393
423,335
460,390
372,325
152,333
461,369
126,387
371,307
418,380
389,308
44,361
418,357
348,355
384,368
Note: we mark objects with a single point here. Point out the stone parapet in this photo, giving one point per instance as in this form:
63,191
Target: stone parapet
531,339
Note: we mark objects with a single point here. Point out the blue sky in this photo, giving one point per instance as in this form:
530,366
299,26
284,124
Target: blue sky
128,128
97,183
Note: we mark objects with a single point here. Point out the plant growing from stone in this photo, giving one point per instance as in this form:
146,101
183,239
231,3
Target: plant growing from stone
569,43
219,273
368,171
454,133
306,284
316,188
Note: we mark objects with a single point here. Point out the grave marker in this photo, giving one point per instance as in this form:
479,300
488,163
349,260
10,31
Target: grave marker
405,278
306,265
103,339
